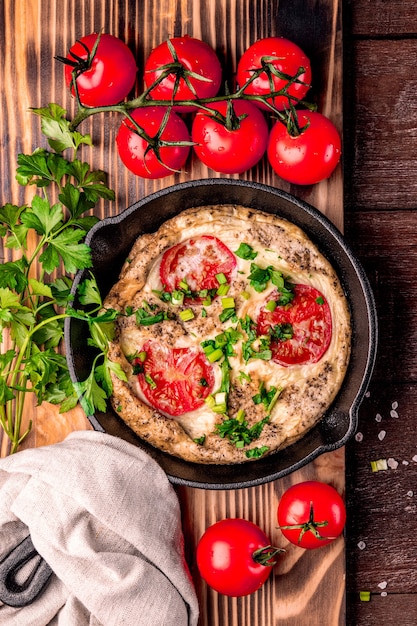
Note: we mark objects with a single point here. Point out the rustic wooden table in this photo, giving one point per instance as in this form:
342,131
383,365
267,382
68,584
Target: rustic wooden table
372,46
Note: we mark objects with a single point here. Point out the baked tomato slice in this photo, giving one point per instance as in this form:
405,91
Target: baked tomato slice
196,263
300,331
174,380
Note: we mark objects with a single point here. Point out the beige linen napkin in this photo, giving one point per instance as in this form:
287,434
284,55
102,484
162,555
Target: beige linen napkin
104,516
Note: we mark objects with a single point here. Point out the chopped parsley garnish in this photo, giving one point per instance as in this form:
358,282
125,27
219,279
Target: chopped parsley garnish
200,440
281,332
259,278
237,431
267,397
256,453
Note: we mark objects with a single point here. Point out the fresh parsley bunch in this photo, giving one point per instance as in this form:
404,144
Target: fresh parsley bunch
48,239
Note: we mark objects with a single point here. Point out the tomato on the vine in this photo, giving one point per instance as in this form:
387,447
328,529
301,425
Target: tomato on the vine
183,68
235,142
282,61
235,557
311,514
105,75
307,155
162,150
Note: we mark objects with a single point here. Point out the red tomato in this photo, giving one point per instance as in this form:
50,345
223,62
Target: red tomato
175,380
234,557
311,514
196,71
287,59
108,76
139,156
230,150
310,319
196,262
306,158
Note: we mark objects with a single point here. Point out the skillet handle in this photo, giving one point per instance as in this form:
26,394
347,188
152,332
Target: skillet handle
18,594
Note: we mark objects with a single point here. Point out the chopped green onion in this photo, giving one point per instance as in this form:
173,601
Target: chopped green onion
228,303
200,440
206,301
245,295
177,297
183,285
221,278
214,355
271,305
142,356
223,289
203,313
380,464
240,416
186,315
220,397
364,596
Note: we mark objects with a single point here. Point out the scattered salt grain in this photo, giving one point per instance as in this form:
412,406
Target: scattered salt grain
381,434
393,413
414,458
394,405
406,462
392,463
384,594
368,394
378,417
359,437
361,545
383,585
410,493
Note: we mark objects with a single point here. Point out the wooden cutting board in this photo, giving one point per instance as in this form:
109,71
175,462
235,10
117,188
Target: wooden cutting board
306,588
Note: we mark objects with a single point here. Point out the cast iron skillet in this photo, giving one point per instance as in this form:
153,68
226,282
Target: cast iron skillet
111,240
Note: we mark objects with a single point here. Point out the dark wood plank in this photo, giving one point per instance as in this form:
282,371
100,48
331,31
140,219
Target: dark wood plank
385,243
382,506
379,123
366,18
382,610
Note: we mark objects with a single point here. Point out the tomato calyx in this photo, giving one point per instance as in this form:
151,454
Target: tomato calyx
180,72
79,64
310,526
267,555
156,142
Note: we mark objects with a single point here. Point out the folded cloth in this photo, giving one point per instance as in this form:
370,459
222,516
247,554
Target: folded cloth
103,515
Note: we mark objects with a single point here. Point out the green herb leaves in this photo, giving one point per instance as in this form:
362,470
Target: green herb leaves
48,236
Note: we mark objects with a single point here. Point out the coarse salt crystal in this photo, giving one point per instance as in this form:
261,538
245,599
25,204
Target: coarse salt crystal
410,493
359,437
406,462
393,413
383,584
414,458
381,434
361,545
384,594
378,417
392,463
394,405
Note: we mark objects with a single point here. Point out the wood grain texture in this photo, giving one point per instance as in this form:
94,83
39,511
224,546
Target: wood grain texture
305,588
379,18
